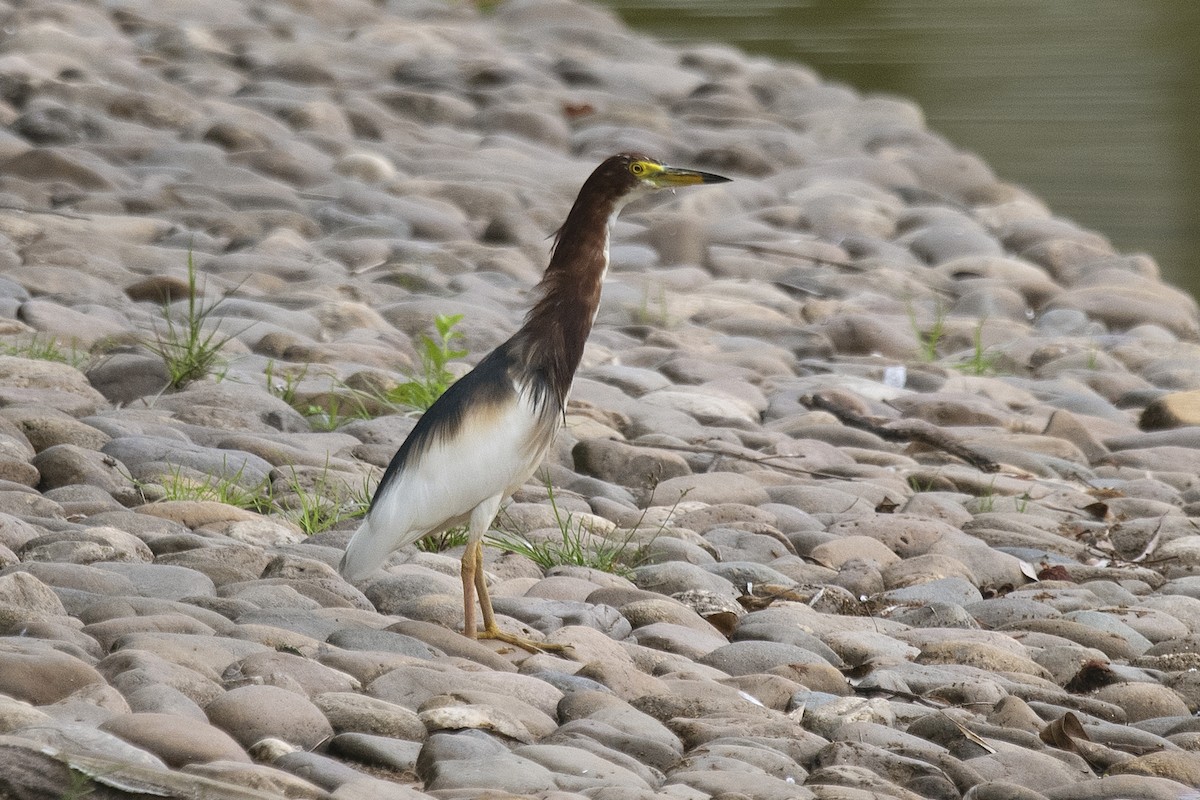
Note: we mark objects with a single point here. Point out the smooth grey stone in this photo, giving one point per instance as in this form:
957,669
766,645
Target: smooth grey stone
955,591
750,656
1110,624
328,773
369,639
783,634
936,615
247,470
550,615
76,577
254,712
125,377
742,546
81,545
163,580
65,464
376,751
394,591
566,682
87,740
83,500
297,620
675,576
578,769
165,699
668,548
471,759
651,776
652,752
999,611
747,573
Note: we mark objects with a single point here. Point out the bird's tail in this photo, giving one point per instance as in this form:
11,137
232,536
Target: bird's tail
364,554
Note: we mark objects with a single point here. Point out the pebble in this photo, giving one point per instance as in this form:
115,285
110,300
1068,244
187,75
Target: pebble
805,608
176,745
254,712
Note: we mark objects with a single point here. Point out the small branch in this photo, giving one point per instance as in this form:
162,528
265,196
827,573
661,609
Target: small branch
904,431
769,461
43,211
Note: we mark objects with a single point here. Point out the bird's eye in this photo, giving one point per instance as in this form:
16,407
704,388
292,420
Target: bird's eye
637,168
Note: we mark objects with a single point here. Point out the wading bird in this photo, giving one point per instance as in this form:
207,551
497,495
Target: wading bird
488,433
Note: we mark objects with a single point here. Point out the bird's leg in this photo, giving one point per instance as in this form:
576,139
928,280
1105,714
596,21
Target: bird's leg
485,599
490,629
470,573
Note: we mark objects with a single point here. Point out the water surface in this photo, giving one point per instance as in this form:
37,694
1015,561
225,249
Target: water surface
1093,105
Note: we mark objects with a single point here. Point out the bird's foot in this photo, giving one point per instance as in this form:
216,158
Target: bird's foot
520,641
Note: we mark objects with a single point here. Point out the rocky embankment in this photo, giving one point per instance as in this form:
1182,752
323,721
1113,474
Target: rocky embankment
897,465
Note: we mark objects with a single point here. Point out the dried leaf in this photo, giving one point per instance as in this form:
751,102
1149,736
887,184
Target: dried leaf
971,736
1055,573
1151,545
886,506
1092,675
1064,732
723,621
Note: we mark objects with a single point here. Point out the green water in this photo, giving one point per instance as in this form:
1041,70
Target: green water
1093,105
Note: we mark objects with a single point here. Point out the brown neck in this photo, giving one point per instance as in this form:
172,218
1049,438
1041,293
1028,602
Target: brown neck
550,343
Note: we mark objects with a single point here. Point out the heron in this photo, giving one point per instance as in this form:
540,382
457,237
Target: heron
488,433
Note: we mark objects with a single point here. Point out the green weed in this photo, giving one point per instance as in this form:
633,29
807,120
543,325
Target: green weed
335,411
657,314
423,389
444,540
579,544
181,483
43,349
324,504
283,383
314,505
928,339
328,412
188,352
78,786
345,403
980,363
920,483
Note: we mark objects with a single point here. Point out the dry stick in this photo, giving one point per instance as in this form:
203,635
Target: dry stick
765,460
909,430
904,431
49,212
780,251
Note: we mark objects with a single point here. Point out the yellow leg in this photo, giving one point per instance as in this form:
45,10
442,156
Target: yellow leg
470,569
490,629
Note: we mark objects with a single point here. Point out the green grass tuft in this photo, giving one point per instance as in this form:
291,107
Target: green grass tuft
980,362
314,505
324,504
330,410
579,544
444,540
181,483
423,389
187,351
44,349
929,338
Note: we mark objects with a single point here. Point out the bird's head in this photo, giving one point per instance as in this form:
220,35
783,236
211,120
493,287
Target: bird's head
625,176
657,175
